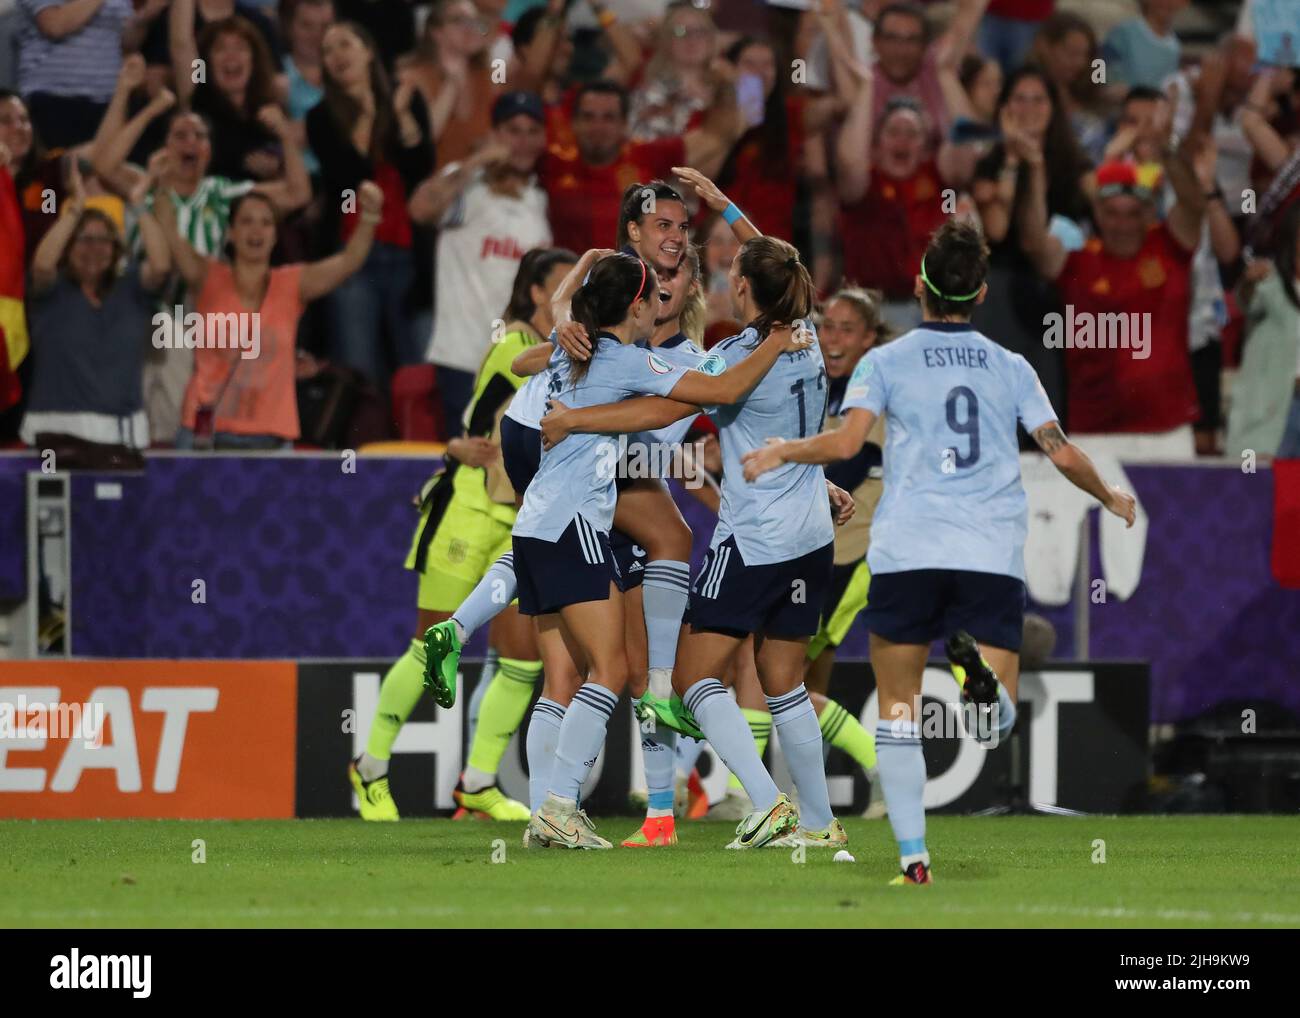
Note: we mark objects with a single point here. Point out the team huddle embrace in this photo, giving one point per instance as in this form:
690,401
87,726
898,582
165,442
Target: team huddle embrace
857,475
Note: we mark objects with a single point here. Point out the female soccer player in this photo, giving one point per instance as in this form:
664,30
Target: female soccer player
563,560
769,564
947,544
467,512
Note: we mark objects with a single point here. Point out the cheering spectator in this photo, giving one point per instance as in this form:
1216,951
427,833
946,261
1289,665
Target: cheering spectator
452,72
362,130
32,171
1127,292
304,23
677,83
890,199
1065,48
981,78
68,57
1033,121
544,53
762,172
489,211
238,84
202,203
157,48
499,46
89,325
1144,50
908,65
242,395
585,182
1265,414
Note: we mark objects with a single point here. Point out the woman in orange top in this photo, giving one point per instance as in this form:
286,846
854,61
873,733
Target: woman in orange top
242,393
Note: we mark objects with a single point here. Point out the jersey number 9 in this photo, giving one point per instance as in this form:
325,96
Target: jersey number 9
968,424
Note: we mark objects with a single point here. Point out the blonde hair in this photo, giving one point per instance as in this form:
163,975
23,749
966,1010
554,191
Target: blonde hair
694,317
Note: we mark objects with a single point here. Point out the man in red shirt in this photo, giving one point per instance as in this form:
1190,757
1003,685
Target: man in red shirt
1126,294
585,179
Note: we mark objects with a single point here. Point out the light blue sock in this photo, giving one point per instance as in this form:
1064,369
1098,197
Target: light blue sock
658,748
901,766
489,599
480,691
688,751
729,735
664,593
801,745
581,736
543,734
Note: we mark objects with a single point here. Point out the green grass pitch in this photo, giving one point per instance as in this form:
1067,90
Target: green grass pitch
1016,872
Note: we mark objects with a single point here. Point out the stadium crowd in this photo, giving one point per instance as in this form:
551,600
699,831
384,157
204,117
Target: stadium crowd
367,175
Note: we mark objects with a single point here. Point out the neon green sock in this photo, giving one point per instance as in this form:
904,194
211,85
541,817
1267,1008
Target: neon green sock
502,711
843,731
760,727
398,695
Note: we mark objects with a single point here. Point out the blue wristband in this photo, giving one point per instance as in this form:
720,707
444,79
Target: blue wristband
731,214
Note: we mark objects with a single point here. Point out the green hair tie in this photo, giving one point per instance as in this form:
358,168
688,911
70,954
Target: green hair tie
939,293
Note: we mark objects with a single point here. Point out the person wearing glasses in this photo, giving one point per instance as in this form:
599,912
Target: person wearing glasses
909,65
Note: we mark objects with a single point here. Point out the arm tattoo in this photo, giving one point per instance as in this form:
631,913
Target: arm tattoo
1050,438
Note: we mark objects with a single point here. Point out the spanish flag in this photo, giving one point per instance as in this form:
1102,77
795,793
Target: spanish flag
13,319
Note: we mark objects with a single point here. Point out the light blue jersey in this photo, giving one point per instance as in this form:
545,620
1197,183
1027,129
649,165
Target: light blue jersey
528,405
577,476
785,514
679,351
953,497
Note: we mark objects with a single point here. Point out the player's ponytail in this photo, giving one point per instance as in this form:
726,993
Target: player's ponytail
695,315
605,299
953,270
778,280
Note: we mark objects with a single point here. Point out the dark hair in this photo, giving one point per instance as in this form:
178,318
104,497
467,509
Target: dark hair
603,88
630,209
1054,31
780,283
612,286
1143,93
105,282
907,10
956,263
345,110
526,26
534,267
774,132
261,81
1065,161
1286,235
228,247
36,154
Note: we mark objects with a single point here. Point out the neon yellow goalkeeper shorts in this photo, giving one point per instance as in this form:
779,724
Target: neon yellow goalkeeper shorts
851,583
